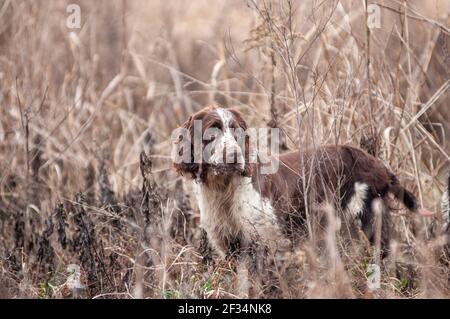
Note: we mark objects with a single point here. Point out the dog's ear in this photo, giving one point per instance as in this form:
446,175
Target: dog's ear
186,126
188,169
188,123
248,169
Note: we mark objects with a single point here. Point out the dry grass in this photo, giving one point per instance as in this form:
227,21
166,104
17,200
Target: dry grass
77,107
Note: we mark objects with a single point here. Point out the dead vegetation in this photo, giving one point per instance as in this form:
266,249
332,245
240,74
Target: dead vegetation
88,204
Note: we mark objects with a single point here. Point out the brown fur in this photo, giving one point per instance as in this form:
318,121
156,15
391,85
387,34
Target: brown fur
329,171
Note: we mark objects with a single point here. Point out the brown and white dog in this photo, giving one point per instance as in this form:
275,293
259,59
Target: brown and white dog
240,206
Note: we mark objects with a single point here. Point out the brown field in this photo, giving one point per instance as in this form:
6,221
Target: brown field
78,106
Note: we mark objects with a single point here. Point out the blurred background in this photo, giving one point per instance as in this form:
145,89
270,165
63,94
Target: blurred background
78,106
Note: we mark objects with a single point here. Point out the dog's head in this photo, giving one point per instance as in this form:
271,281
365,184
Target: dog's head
213,142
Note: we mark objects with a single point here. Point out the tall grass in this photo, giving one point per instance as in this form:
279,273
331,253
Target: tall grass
77,108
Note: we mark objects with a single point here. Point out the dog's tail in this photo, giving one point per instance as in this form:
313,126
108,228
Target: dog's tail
405,196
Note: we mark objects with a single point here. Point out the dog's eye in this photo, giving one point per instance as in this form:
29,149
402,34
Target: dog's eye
217,125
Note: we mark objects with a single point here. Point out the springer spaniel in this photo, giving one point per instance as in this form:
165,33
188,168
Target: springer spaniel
239,205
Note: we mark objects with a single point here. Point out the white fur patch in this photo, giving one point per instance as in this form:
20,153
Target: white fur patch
356,204
225,116
237,210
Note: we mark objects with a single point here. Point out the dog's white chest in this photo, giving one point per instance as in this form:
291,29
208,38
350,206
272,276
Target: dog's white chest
237,210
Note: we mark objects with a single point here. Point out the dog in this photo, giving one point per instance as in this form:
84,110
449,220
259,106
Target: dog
240,205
